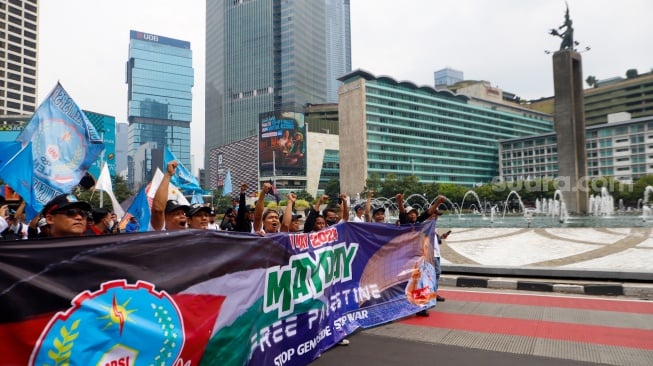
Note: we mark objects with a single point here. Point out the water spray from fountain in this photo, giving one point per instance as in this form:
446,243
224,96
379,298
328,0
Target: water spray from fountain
478,200
602,205
646,208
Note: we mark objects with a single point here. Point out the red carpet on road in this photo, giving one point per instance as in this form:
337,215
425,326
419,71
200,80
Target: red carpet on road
575,332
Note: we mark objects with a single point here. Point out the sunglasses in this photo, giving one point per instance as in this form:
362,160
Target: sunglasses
72,212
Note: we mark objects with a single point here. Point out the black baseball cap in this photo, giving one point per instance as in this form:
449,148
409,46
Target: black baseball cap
64,201
173,205
381,208
195,208
294,217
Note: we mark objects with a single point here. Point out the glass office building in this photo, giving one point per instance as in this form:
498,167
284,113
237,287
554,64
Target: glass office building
268,55
338,44
390,127
160,80
623,150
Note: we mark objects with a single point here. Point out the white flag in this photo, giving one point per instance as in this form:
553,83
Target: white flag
173,192
103,183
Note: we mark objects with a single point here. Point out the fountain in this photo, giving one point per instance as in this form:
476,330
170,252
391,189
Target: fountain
505,205
457,209
493,211
649,189
548,212
423,202
478,200
559,207
602,205
646,209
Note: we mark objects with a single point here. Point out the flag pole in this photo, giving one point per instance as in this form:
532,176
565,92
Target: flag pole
274,170
101,163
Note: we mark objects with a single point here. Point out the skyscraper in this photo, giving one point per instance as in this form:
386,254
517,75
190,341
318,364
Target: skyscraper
159,79
18,56
269,55
338,45
446,77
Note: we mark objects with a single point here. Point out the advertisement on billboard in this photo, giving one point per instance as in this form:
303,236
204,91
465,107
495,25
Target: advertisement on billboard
282,144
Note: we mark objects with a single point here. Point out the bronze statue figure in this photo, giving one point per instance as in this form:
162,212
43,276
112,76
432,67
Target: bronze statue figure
568,34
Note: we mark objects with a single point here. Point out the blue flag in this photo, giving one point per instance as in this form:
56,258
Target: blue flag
226,187
7,151
183,180
64,145
140,209
17,173
197,198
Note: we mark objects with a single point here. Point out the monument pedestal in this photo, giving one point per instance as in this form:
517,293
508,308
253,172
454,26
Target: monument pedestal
569,124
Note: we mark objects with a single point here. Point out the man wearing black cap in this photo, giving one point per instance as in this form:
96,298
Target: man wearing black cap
378,214
290,220
359,210
167,214
212,224
198,216
412,216
66,216
229,220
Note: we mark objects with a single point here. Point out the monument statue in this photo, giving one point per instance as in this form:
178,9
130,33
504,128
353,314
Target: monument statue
569,120
567,35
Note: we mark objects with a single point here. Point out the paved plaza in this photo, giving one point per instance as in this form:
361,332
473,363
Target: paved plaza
599,261
623,249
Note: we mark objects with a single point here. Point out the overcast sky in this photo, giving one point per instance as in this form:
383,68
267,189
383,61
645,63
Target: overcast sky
84,43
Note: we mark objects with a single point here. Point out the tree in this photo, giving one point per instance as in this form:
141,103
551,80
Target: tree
488,194
120,190
631,73
304,195
411,185
639,190
591,81
391,186
332,189
373,183
431,190
453,192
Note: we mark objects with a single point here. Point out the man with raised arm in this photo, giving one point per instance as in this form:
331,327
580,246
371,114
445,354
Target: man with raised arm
412,217
167,214
289,220
329,214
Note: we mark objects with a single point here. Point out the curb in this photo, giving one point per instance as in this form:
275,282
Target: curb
640,290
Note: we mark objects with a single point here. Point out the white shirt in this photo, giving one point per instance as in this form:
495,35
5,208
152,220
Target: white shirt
436,247
3,224
358,219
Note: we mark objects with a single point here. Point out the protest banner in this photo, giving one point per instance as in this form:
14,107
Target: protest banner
202,297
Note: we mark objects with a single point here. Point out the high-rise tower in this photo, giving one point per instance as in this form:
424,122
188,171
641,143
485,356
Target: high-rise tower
160,80
18,56
269,55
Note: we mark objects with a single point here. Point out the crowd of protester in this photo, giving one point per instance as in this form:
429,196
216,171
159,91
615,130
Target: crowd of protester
66,216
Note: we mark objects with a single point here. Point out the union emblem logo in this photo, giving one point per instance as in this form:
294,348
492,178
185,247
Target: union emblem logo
118,325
